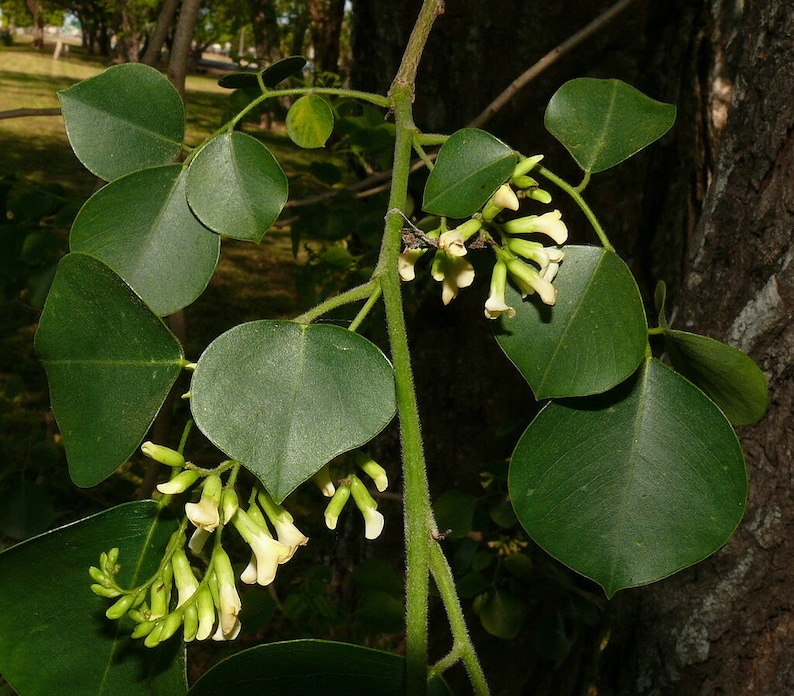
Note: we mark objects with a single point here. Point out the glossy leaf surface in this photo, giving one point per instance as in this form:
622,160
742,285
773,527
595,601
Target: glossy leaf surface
593,337
729,377
633,485
110,364
603,122
141,226
302,667
470,166
126,118
285,398
54,637
236,187
310,121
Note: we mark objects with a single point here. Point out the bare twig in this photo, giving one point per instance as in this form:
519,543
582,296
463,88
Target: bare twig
548,60
20,113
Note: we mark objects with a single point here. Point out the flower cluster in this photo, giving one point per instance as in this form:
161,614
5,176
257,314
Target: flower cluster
206,604
529,264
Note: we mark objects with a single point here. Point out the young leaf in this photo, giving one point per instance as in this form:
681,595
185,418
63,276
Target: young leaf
593,338
470,166
271,75
140,226
49,610
310,121
236,187
603,122
502,614
311,667
633,485
285,398
110,362
126,118
729,377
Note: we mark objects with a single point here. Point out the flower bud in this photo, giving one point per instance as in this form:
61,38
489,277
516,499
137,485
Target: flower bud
171,624
120,607
372,469
205,513
191,622
98,576
152,640
164,455
206,612
322,480
180,483
526,165
102,591
143,629
539,194
373,520
336,505
469,228
496,305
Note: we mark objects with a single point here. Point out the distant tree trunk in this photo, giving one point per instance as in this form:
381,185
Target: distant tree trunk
326,30
726,626
267,35
128,38
38,24
154,46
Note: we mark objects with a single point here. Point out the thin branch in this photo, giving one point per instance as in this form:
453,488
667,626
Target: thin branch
20,113
548,60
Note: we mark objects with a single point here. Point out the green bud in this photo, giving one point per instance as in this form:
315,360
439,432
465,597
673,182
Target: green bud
143,629
469,228
160,597
120,607
526,165
164,455
523,182
153,639
137,616
179,483
98,576
538,194
102,591
191,621
372,469
171,624
336,505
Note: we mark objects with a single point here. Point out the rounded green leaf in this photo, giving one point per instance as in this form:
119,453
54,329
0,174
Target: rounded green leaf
141,226
729,377
502,614
603,122
302,667
236,187
470,166
110,363
49,610
593,338
633,485
271,75
126,118
310,121
285,398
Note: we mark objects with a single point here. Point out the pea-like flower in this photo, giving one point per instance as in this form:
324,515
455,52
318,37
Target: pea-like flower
205,513
225,596
453,272
184,579
549,224
286,531
407,263
373,520
496,305
529,280
267,553
180,483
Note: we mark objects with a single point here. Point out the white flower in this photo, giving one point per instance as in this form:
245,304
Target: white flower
452,242
453,272
227,600
185,580
286,531
267,553
373,520
197,540
205,513
529,280
206,612
407,262
495,305
535,251
549,224
505,197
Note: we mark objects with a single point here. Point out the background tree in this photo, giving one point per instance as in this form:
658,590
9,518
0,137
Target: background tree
721,627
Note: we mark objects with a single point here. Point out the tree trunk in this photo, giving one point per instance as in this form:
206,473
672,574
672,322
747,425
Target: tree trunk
726,626
326,29
267,36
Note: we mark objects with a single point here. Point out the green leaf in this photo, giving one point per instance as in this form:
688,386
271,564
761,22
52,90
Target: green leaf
593,338
285,398
236,187
310,121
301,667
729,377
271,75
110,363
48,611
470,166
140,226
502,614
633,485
126,118
603,122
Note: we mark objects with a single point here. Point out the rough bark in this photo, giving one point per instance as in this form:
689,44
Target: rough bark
726,626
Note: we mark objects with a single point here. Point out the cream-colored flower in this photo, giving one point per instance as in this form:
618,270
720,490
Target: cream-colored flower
453,272
180,483
267,553
406,263
286,531
227,600
205,513
496,305
549,224
322,480
184,579
452,242
206,612
373,520
505,197
529,280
